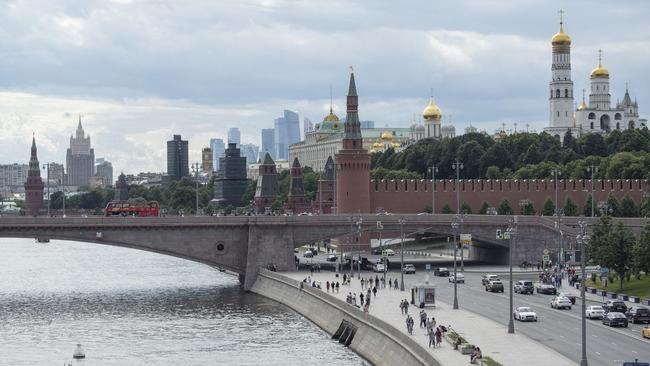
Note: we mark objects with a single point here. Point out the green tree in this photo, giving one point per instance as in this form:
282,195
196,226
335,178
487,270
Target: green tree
484,207
549,207
492,172
619,251
568,141
628,208
570,207
598,247
528,209
645,205
642,252
588,206
466,208
505,208
447,210
613,207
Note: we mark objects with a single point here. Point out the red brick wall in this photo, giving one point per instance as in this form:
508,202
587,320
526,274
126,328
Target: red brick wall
412,196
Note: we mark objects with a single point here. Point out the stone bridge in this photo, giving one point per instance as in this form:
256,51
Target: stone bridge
244,244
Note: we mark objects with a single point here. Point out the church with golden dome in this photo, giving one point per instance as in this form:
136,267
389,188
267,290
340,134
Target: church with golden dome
597,115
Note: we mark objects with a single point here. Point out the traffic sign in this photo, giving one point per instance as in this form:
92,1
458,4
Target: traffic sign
466,238
379,225
506,235
427,267
545,258
499,235
546,252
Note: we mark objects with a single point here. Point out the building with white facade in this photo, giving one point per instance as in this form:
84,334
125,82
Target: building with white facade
598,116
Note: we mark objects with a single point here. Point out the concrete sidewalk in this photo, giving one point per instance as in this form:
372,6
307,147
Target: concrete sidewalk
491,337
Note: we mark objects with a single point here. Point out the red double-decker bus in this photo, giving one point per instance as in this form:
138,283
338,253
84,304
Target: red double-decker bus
125,208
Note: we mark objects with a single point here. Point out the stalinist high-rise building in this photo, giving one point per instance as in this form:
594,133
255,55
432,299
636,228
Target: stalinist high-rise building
80,159
561,87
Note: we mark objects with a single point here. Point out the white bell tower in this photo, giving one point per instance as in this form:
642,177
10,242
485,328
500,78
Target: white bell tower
561,86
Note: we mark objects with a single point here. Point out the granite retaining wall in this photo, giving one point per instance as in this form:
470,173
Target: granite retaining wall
372,338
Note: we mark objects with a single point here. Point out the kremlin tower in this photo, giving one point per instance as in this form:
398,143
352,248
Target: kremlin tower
352,162
34,185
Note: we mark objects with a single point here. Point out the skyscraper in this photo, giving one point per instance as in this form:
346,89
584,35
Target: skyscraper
177,158
268,134
287,132
218,148
234,136
231,183
80,159
307,126
206,160
104,170
34,185
250,152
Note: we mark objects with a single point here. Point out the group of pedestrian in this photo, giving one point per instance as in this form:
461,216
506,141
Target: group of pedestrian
404,306
334,286
370,282
393,284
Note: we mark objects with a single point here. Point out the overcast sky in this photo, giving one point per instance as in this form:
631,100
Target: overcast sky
139,71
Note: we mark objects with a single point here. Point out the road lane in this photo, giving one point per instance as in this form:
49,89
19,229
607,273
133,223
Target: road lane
557,329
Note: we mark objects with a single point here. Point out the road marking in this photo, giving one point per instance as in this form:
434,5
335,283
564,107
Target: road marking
598,353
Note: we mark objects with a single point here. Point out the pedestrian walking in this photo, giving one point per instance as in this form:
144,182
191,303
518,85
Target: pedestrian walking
390,283
345,278
337,287
327,285
438,336
406,306
374,291
401,306
362,283
423,319
361,298
432,337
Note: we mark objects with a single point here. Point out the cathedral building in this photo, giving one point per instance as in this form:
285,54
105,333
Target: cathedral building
596,117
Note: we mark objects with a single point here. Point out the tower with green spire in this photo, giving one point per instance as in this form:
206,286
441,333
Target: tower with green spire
34,184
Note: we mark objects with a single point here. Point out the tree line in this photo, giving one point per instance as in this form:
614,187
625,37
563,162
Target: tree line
613,245
618,155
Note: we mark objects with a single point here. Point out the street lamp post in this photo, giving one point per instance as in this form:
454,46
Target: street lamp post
458,166
196,178
454,229
583,240
380,227
592,169
434,170
558,214
462,247
47,166
359,223
401,232
512,230
350,247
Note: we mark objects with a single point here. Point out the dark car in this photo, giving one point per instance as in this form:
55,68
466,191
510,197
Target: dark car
572,298
638,314
376,250
524,287
615,319
494,286
545,288
615,306
441,272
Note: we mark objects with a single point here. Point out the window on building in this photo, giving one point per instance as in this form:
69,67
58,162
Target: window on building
591,125
566,93
557,93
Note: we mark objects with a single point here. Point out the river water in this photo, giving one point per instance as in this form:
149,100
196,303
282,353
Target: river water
129,307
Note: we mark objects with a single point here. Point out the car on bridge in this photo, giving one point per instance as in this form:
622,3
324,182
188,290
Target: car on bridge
638,314
595,312
561,302
524,287
332,258
614,319
388,252
494,286
379,267
459,278
525,314
408,268
485,279
615,306
545,288
308,254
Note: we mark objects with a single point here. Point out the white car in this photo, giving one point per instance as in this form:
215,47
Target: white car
379,267
595,312
389,252
525,314
560,302
460,278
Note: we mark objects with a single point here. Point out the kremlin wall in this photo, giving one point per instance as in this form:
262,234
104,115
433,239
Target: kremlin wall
412,196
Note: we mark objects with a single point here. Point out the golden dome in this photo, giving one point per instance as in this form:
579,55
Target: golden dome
331,117
395,145
432,111
600,71
582,105
560,38
387,136
377,145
